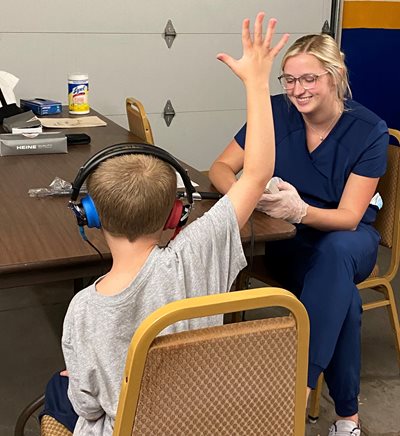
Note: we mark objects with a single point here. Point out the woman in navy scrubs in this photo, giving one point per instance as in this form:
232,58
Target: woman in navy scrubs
330,153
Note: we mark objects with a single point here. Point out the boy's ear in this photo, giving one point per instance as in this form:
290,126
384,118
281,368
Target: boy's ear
175,215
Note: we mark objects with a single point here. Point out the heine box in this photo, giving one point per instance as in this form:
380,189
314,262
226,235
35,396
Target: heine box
40,106
39,143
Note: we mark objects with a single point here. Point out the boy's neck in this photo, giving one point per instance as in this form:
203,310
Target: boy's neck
128,259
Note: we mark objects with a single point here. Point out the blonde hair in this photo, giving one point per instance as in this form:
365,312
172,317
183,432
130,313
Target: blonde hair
326,50
133,194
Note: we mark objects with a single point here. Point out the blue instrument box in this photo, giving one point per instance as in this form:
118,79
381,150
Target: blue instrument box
41,106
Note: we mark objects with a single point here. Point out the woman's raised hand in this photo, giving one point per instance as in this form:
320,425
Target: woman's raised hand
255,64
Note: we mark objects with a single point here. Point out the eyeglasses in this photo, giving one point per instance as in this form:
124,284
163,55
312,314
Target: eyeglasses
307,81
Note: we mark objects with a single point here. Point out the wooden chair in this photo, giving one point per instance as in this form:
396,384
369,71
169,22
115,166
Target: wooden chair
246,378
388,225
137,119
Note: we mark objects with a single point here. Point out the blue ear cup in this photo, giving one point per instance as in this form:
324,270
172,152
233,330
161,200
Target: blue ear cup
92,217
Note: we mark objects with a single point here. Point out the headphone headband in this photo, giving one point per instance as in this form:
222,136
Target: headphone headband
130,148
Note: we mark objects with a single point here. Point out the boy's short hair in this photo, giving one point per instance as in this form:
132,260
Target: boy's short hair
133,194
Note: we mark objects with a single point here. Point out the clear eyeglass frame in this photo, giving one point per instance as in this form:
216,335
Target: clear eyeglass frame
307,81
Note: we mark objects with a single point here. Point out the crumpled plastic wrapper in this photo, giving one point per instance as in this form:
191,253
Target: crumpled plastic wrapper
57,187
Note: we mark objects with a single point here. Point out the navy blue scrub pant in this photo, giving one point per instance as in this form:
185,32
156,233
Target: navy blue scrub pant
321,269
57,403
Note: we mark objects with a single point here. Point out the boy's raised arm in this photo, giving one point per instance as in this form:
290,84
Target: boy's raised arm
254,68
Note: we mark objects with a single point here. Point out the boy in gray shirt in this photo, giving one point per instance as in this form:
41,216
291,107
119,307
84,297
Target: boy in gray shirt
134,195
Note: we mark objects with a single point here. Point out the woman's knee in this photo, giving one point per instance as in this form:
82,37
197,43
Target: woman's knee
335,244
357,250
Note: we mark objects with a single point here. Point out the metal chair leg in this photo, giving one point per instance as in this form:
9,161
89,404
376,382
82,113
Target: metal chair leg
394,318
26,414
313,411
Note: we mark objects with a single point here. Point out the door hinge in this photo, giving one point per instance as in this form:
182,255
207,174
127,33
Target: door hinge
169,33
169,112
326,28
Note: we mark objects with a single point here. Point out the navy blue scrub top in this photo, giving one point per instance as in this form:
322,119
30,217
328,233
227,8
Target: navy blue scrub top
357,144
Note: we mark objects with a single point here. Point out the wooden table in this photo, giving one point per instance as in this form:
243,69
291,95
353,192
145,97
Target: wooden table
39,237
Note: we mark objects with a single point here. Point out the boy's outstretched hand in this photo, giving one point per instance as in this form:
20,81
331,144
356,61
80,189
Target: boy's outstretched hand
255,64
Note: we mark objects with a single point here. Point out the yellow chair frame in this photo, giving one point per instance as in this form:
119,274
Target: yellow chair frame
138,122
206,306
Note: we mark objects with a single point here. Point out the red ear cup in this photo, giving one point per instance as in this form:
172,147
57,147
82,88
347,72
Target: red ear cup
175,215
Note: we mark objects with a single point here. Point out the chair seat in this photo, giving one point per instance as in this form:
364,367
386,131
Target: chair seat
51,427
240,359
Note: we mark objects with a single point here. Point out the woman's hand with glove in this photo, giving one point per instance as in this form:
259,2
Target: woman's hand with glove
286,204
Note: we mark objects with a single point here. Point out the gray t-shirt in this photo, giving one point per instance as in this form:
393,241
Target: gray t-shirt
204,258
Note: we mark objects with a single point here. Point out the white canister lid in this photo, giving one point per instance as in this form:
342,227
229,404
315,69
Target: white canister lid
78,76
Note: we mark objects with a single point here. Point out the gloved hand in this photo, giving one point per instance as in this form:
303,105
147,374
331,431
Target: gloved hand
286,204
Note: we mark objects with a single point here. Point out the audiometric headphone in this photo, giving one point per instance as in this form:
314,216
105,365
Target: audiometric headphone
85,210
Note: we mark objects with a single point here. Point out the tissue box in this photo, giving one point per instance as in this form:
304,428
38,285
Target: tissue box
40,106
39,143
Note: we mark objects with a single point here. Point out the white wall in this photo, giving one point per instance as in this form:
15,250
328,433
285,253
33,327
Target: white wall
120,45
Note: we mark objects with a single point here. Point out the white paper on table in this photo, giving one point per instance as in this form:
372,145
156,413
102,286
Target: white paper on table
179,181
66,123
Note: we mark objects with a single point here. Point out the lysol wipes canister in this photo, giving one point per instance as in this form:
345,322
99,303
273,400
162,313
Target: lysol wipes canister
78,93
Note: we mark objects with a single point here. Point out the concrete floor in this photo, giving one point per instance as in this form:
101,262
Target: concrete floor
31,322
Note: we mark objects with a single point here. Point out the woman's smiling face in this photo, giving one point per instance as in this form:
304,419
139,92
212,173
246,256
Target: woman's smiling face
322,93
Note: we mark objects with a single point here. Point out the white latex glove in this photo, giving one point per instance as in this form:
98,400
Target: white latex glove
286,204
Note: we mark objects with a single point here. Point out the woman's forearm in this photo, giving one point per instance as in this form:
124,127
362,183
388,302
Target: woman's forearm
222,176
354,202
330,219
